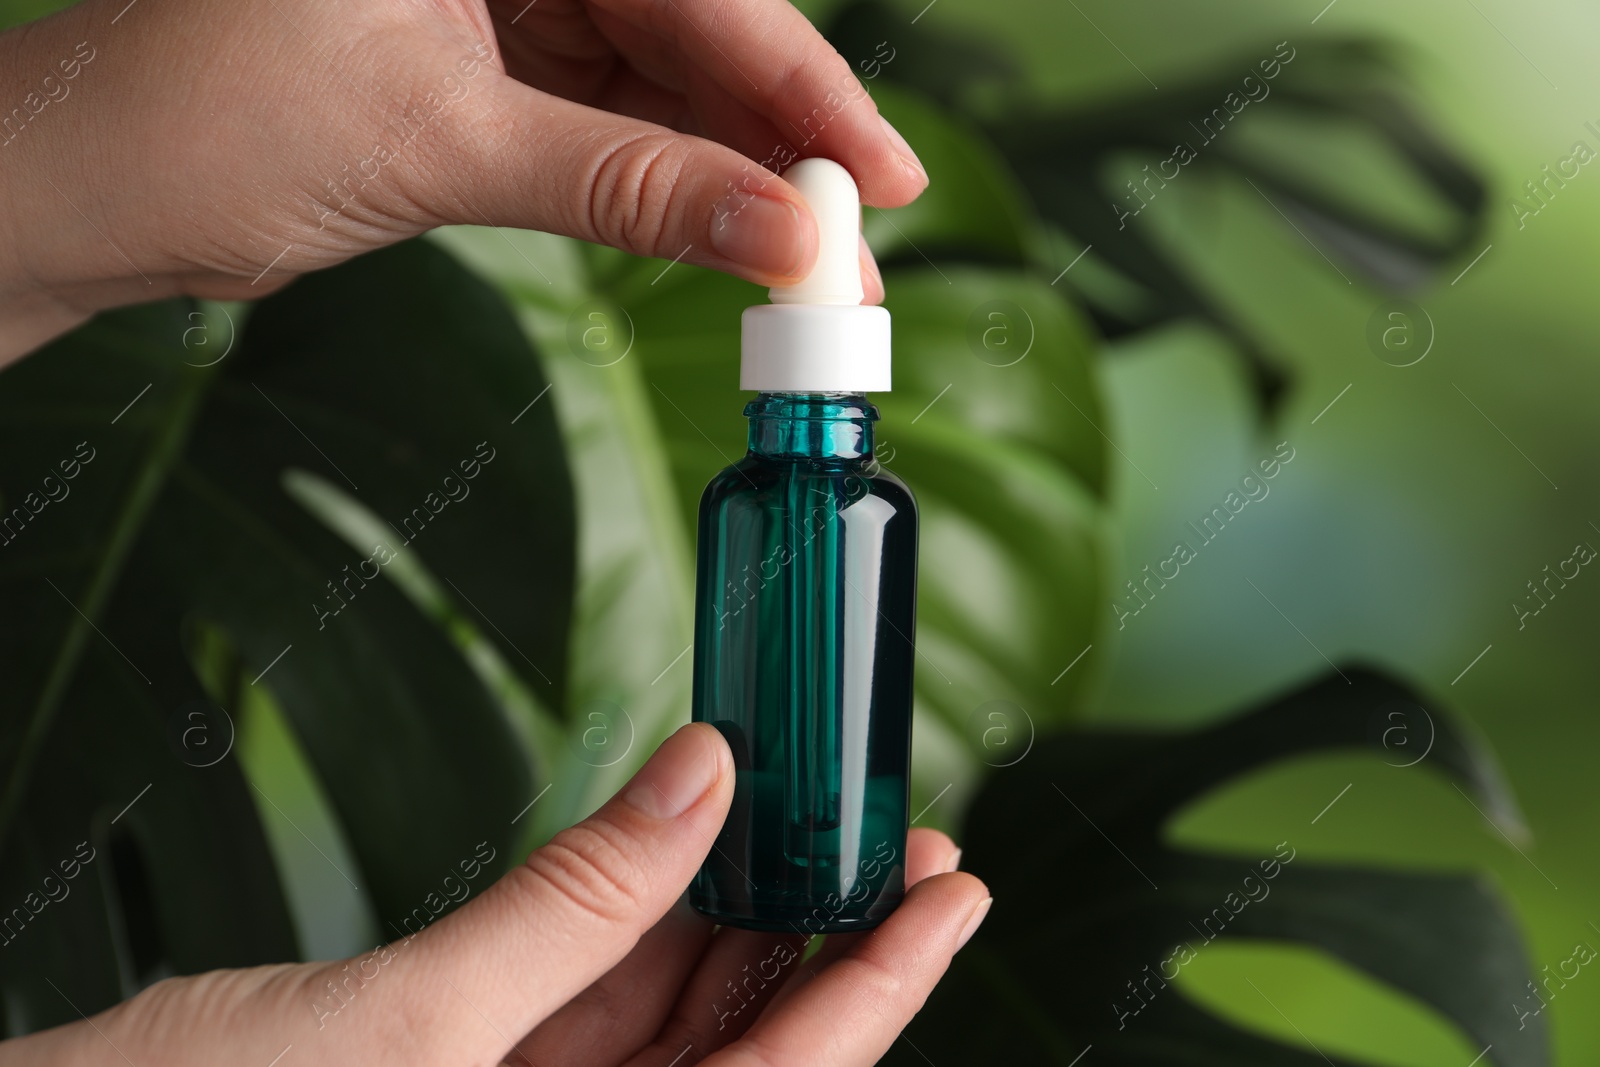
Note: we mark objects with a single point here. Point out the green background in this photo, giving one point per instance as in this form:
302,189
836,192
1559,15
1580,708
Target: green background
1407,524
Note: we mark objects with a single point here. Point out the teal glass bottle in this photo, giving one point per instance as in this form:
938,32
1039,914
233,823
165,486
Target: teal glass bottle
803,658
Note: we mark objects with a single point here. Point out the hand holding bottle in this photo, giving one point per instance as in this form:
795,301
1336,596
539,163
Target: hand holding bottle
218,148
584,955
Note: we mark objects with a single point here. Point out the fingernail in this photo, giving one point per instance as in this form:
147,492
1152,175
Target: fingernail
955,862
682,771
973,923
763,233
907,156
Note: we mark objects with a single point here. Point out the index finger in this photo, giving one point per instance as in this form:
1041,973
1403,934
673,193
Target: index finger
766,56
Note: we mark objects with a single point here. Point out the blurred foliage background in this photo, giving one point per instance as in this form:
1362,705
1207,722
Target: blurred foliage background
1417,506
1413,523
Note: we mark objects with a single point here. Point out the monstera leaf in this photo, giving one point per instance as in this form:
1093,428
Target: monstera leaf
1101,914
1348,162
149,524
994,421
991,446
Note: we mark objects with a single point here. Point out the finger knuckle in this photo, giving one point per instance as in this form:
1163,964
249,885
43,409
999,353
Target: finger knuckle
591,867
874,983
607,1008
752,1051
427,143
633,189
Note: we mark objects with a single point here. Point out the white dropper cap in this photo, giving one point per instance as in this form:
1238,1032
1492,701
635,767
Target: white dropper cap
816,336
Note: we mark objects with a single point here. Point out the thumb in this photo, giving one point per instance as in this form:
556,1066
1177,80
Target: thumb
534,161
553,925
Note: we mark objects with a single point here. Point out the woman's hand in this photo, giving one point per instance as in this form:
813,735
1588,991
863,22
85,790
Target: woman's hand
583,956
220,147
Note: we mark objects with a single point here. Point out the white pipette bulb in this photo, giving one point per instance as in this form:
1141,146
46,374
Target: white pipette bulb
831,194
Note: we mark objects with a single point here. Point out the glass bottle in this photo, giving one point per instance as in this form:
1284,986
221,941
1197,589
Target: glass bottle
803,657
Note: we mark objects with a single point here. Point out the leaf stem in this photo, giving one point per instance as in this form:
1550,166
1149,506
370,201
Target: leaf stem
142,494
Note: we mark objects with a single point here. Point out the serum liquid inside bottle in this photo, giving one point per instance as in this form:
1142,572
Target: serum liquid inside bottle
805,609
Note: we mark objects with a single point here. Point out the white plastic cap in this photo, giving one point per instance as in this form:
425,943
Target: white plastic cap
816,336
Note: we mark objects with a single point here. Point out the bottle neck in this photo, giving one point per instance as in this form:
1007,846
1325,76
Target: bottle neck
811,426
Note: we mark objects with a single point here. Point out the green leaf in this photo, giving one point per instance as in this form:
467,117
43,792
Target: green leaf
1008,460
1098,908
1076,164
961,74
1005,469
994,422
362,361
1003,354
973,209
633,622
1000,460
380,376
1336,109
171,853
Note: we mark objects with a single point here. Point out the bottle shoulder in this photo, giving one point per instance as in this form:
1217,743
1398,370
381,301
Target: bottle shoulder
887,483
759,481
